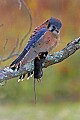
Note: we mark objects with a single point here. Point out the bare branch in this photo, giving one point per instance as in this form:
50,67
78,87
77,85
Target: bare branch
27,8
16,45
57,57
8,57
20,4
5,43
13,52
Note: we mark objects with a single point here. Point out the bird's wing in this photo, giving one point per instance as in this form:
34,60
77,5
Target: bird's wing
31,43
43,25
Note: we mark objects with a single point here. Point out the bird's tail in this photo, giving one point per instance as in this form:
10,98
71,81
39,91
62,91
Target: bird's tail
20,57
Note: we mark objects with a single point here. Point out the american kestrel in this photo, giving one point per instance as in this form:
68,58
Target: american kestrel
44,38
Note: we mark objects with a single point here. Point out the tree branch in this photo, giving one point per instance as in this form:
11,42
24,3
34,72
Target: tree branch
30,17
57,57
15,52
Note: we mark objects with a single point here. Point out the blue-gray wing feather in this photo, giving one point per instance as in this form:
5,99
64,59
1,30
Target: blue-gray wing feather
31,42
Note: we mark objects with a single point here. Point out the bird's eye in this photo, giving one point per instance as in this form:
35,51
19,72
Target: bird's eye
54,27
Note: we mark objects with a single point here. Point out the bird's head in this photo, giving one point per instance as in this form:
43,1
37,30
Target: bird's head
54,25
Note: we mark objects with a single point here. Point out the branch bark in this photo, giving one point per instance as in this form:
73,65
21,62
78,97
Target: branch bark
57,57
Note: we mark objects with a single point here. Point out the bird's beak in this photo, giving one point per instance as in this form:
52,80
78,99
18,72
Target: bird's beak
58,31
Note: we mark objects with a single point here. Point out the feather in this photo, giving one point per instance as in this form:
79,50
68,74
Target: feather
43,25
31,43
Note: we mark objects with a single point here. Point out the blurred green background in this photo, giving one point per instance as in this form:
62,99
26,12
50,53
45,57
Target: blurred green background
58,96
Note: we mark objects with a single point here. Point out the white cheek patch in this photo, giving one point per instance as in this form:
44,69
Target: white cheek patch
55,32
51,27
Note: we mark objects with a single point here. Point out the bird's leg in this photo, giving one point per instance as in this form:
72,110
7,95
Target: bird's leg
38,57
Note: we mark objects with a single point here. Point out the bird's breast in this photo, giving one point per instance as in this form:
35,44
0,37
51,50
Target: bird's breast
47,42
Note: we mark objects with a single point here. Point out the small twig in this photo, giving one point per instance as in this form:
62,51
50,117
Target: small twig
13,52
20,4
8,57
5,43
27,8
16,45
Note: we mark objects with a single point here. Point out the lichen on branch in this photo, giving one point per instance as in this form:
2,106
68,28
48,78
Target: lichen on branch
7,73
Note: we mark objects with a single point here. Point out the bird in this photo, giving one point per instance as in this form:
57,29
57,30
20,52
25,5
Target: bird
43,39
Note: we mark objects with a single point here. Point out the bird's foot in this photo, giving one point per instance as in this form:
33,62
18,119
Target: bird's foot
38,57
30,74
21,78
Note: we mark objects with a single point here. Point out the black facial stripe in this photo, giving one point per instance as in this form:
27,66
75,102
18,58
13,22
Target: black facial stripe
52,30
48,26
57,31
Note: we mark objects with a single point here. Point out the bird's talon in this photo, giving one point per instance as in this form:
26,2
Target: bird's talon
28,78
22,80
38,57
31,75
19,80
